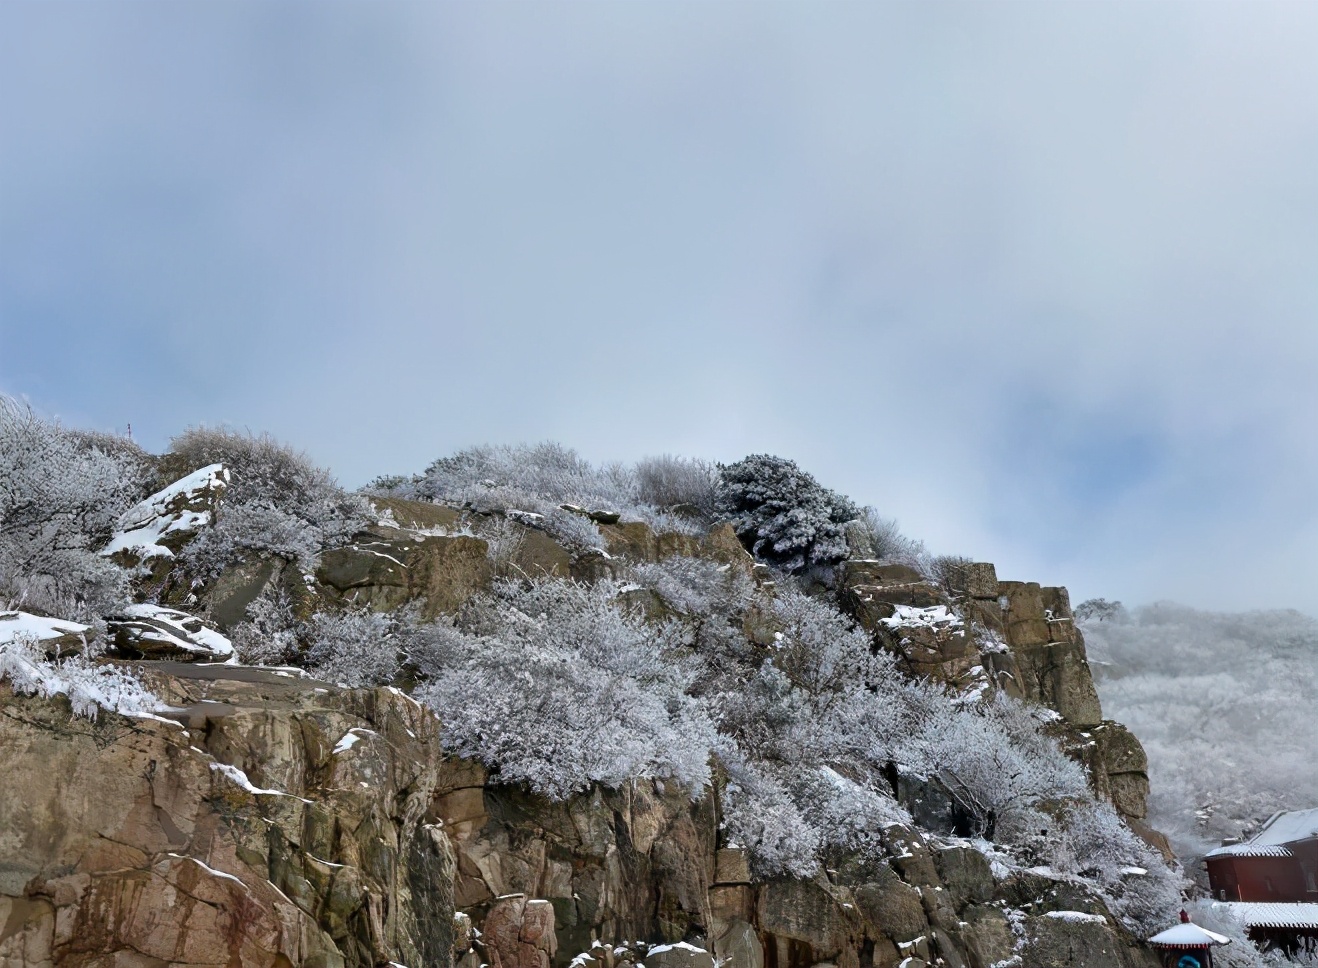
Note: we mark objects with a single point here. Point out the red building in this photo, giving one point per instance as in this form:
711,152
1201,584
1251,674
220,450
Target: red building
1279,863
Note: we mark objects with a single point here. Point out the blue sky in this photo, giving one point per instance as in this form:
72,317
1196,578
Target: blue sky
1039,280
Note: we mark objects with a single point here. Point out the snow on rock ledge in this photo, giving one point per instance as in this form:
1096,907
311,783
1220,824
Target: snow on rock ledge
935,617
168,519
55,636
154,632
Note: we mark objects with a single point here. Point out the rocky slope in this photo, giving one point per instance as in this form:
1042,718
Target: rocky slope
271,819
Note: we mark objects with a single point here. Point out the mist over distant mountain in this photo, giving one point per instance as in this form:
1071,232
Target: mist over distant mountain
1223,703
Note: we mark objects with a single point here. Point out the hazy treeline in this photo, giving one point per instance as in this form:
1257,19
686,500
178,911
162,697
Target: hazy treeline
1223,703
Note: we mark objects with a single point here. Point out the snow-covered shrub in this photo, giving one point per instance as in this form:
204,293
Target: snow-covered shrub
272,633
782,514
696,587
888,541
995,760
760,815
89,686
555,685
1093,843
681,484
538,479
278,502
821,650
813,728
503,540
354,648
60,497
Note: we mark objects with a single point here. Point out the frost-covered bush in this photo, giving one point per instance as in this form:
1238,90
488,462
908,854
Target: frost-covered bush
680,484
994,759
355,648
278,502
537,480
556,685
272,633
61,494
888,541
696,587
782,514
761,816
1093,843
89,686
503,539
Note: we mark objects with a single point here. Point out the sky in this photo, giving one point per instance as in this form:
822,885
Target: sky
1039,280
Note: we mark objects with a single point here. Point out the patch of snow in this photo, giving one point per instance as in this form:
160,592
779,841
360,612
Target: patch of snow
142,526
350,739
210,870
240,778
1076,917
935,617
676,946
36,628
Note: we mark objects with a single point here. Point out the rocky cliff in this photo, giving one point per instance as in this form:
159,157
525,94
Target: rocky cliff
268,818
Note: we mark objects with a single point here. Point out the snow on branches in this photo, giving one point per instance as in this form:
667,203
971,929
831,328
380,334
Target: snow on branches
784,515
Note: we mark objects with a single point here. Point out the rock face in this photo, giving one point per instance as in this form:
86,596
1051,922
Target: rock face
644,863
385,568
1019,637
277,823
280,821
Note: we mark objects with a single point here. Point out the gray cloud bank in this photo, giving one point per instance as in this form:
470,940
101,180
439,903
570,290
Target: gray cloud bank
1039,280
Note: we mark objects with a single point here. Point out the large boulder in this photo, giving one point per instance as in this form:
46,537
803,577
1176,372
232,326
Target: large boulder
154,632
385,568
1078,939
165,522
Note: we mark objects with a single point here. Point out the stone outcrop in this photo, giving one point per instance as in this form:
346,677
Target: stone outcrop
644,863
385,568
1018,637
278,822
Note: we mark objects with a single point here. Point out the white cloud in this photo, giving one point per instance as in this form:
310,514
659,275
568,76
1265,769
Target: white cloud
1038,280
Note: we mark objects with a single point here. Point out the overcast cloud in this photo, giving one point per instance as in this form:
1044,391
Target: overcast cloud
1040,280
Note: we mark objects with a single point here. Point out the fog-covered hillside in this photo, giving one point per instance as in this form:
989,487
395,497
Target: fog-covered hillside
1224,706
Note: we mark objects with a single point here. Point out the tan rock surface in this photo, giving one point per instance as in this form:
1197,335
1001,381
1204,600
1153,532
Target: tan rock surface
246,835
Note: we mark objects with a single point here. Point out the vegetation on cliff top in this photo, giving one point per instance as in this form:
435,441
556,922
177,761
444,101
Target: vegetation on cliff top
665,670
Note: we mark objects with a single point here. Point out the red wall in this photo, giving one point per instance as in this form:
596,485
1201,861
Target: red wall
1257,878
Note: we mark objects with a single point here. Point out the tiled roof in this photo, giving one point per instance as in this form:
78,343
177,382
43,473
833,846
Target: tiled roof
1188,935
1283,827
1251,849
1260,914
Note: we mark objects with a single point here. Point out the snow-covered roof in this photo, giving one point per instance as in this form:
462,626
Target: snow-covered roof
1188,935
1249,849
1282,828
1288,827
1260,914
